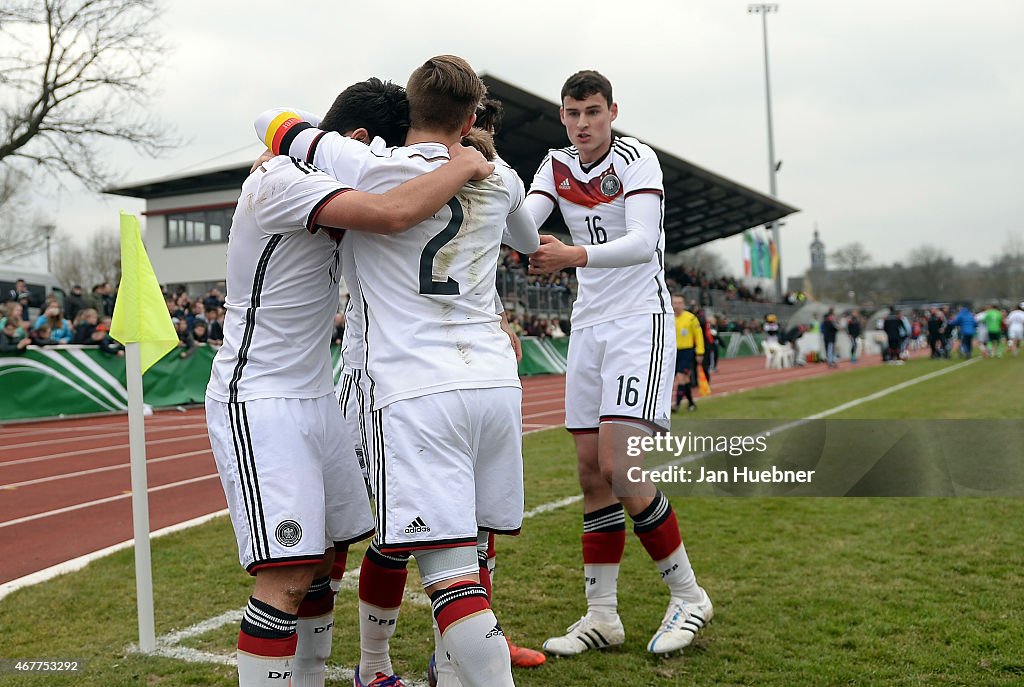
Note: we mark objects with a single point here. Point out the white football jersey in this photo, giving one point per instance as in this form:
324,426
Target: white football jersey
352,344
282,287
592,200
427,294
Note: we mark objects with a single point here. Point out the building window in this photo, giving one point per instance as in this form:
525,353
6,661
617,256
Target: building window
204,226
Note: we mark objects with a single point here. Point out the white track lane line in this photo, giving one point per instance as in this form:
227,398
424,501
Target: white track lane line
108,468
97,502
88,451
91,435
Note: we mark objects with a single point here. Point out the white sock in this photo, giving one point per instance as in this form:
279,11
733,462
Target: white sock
447,676
314,648
376,627
677,573
315,628
266,646
261,671
602,582
478,649
472,636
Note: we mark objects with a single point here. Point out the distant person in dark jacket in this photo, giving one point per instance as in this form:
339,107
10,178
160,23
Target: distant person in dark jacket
935,342
829,329
894,332
853,329
12,338
74,303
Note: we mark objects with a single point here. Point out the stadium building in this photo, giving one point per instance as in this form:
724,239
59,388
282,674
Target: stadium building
188,217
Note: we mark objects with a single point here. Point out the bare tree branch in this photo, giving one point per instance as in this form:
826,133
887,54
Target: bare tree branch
81,82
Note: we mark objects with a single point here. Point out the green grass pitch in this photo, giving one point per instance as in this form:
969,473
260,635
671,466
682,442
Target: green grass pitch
807,591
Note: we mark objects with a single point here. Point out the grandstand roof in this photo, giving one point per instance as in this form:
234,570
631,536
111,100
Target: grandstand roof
700,206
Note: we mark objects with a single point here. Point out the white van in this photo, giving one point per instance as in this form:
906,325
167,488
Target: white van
40,284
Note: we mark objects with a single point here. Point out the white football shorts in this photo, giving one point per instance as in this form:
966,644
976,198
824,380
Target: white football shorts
620,370
445,465
292,484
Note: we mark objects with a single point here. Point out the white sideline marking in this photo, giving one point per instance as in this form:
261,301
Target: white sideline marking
832,411
74,564
168,644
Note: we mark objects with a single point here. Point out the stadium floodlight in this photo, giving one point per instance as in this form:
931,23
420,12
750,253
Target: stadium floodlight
48,230
764,9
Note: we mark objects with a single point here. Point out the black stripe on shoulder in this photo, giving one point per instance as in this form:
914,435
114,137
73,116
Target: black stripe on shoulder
630,146
303,166
543,162
311,219
311,155
625,153
289,137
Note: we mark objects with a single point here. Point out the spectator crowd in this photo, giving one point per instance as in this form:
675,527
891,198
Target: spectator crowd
84,319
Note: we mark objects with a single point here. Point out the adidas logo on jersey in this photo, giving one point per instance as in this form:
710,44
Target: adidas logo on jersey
564,186
417,525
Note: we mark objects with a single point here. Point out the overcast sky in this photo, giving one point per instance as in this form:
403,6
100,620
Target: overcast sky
898,123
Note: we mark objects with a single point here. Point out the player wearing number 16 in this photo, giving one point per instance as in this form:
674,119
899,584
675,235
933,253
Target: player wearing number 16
621,351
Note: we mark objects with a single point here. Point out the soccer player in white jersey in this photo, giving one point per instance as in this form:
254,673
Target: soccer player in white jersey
274,426
1015,328
440,377
619,378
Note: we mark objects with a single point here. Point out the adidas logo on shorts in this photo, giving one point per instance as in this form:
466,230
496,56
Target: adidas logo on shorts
416,526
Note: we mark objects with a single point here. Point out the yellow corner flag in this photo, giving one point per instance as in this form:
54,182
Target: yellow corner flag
702,382
140,313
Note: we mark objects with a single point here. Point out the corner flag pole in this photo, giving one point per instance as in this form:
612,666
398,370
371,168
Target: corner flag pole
141,322
140,499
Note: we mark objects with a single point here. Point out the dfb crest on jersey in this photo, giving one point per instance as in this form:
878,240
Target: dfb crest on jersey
610,185
288,533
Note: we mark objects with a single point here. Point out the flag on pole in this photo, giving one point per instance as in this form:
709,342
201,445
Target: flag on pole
748,243
766,260
140,313
775,258
757,259
702,382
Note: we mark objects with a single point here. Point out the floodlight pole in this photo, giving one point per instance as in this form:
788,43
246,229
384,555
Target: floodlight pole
48,232
764,9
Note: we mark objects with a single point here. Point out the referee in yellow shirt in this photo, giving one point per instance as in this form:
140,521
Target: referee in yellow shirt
689,352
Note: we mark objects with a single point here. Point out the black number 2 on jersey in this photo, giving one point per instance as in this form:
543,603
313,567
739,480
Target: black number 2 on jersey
449,287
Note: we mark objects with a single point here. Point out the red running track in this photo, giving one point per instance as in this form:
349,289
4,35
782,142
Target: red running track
65,485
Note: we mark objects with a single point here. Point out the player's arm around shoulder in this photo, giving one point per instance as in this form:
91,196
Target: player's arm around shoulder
407,205
520,227
295,132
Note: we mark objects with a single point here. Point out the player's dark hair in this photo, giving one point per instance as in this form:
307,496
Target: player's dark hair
380,107
443,93
586,83
489,115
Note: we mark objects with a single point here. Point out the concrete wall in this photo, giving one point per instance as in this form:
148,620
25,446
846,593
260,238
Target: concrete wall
198,264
